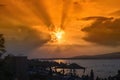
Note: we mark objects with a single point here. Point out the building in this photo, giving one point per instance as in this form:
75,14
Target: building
17,66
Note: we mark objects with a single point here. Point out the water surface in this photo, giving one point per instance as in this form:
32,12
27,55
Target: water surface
102,68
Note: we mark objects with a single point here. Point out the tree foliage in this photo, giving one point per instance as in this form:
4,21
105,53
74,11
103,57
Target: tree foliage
2,46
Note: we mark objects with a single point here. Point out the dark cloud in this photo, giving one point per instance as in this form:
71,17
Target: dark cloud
22,39
16,19
2,5
103,31
97,18
115,13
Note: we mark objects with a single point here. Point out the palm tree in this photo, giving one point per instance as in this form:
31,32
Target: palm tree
2,47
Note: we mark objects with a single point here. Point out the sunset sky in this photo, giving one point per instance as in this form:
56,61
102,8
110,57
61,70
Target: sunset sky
60,28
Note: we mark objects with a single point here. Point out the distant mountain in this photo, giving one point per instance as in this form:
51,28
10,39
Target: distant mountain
115,55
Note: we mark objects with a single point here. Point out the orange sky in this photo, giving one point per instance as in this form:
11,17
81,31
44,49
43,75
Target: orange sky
89,26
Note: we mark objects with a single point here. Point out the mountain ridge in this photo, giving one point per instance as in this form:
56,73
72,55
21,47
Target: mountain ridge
114,55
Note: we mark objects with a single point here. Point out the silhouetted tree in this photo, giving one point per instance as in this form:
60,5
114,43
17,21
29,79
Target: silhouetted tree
91,75
2,47
2,51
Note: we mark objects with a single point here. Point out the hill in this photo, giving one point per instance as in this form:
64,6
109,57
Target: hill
115,55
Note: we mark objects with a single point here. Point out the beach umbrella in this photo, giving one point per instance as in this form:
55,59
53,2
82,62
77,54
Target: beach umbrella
75,66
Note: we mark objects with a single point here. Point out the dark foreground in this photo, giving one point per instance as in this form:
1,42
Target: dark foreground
20,68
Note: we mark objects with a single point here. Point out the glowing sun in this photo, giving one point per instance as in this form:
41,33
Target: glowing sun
57,35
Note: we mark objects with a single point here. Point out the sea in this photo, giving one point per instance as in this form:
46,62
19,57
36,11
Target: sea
101,68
